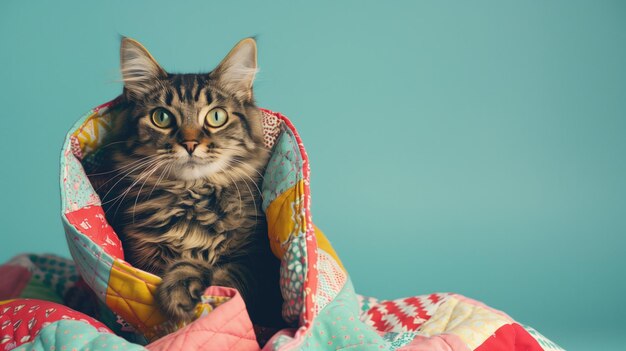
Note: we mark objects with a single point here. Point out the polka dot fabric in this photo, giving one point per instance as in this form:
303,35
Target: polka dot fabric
271,128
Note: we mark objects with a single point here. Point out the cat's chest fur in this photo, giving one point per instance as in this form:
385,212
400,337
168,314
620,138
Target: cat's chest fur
181,220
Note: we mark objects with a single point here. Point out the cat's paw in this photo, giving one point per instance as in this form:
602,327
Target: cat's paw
181,289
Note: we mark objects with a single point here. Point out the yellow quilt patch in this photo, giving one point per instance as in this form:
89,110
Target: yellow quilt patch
286,217
472,323
91,134
130,294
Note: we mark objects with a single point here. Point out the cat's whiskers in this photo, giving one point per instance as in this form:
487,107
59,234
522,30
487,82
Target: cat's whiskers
143,167
120,168
144,164
249,167
234,149
111,143
118,199
236,187
129,169
141,175
155,168
256,210
257,146
167,169
236,171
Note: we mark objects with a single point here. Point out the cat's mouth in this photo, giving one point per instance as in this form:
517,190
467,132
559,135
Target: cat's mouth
192,167
193,161
195,168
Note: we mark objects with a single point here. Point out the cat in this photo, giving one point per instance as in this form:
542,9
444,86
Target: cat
184,198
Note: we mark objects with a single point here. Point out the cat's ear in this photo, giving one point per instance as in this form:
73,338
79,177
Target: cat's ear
235,74
140,70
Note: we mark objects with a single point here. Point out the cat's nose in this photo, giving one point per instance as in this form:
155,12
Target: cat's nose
190,145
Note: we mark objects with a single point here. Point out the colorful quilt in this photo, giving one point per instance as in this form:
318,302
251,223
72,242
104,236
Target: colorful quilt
117,299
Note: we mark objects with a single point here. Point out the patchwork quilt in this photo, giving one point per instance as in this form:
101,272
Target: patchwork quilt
97,301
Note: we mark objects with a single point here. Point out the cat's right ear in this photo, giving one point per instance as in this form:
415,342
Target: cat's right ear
140,71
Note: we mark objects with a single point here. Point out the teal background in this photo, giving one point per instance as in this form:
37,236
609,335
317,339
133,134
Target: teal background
469,147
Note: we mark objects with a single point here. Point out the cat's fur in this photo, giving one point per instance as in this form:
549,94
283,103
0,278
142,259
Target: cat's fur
185,199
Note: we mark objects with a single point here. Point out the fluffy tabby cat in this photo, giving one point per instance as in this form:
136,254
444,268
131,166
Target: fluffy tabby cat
184,197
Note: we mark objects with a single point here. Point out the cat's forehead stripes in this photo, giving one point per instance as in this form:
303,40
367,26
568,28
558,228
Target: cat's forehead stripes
187,88
178,90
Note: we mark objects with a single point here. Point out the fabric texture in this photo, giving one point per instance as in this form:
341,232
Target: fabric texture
320,300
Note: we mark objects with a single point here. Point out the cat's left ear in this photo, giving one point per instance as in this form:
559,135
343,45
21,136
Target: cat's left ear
236,72
140,70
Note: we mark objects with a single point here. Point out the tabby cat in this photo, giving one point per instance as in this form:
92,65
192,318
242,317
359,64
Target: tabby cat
184,196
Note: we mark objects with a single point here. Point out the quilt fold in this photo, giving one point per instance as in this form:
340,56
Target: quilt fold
319,298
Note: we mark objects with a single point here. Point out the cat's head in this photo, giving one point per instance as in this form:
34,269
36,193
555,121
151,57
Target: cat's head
192,126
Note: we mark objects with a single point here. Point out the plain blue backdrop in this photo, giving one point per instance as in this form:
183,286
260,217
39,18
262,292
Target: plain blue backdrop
474,147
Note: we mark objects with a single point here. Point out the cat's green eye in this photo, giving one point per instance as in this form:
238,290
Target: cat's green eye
216,118
162,118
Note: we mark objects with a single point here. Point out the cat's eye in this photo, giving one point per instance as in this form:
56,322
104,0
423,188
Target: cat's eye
216,118
162,118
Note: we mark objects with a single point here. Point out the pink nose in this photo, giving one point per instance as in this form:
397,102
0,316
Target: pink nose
190,146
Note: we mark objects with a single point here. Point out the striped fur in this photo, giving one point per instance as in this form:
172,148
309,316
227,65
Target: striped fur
192,216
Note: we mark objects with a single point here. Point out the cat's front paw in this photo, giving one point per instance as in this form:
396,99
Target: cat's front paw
181,289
